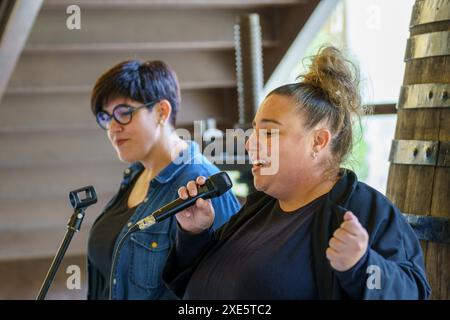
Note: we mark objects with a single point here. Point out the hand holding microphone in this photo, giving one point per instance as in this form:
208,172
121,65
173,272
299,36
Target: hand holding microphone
200,216
193,210
194,207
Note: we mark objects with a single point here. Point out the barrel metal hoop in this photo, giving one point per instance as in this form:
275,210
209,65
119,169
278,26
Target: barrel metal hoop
420,152
430,11
428,45
428,228
428,95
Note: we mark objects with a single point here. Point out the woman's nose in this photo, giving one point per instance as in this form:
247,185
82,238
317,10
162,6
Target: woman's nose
114,125
252,142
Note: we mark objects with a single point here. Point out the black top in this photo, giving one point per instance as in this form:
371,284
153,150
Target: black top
103,238
392,267
243,269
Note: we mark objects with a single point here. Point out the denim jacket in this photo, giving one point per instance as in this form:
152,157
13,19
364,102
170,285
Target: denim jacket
141,259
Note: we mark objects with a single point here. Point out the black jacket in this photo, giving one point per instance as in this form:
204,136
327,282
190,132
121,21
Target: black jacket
393,247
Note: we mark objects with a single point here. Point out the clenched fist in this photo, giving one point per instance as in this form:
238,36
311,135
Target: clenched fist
348,244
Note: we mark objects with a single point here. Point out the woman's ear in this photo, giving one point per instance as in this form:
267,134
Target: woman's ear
322,138
163,111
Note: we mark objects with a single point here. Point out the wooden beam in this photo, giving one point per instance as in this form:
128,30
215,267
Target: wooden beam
6,8
388,108
15,34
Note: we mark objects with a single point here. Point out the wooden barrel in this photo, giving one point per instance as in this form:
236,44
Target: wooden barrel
419,173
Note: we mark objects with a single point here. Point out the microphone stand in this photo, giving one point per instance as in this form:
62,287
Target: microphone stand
73,225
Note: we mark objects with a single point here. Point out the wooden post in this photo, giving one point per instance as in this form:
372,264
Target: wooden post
419,174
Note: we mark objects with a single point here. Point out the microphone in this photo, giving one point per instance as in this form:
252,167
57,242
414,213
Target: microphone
214,186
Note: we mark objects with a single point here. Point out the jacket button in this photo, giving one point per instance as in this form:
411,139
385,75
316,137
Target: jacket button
154,245
114,281
129,224
127,171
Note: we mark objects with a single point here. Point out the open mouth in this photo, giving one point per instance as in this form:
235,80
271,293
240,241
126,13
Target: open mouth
121,141
260,163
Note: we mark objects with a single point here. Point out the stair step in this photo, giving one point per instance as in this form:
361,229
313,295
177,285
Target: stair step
43,182
78,71
148,25
136,47
58,112
173,4
65,147
40,242
45,212
39,90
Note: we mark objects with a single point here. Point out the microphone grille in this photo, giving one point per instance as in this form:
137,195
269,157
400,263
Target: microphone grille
221,183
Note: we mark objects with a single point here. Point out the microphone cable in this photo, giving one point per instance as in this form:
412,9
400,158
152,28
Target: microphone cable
215,186
115,256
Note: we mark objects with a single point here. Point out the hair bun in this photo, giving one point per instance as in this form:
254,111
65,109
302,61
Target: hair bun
337,77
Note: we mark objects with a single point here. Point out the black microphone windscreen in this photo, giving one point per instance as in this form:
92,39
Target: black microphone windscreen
221,183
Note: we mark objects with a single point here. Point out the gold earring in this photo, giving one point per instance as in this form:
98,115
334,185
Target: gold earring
161,121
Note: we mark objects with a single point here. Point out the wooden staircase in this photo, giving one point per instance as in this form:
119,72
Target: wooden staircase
49,139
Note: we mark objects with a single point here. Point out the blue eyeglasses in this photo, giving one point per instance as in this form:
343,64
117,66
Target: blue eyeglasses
122,113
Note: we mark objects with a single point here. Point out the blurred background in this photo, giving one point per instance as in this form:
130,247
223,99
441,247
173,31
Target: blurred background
50,143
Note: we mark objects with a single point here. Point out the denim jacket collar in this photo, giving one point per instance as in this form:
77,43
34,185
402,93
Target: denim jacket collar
187,156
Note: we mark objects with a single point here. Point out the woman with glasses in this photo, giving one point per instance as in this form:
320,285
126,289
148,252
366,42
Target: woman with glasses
136,104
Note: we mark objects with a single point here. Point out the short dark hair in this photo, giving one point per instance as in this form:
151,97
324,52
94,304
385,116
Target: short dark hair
138,81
